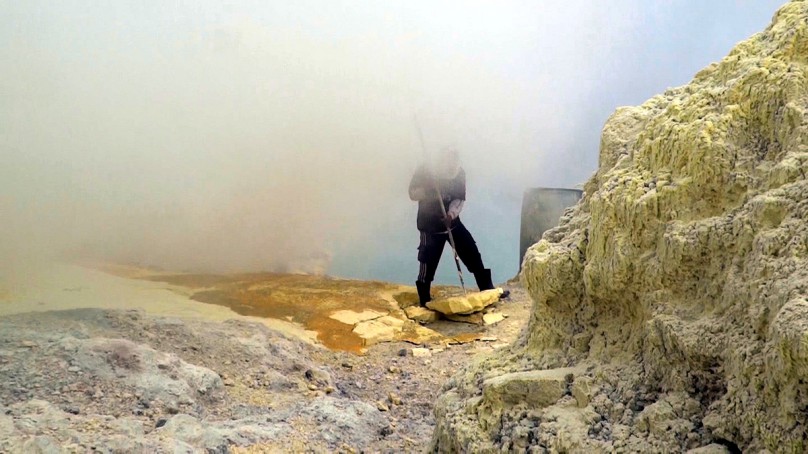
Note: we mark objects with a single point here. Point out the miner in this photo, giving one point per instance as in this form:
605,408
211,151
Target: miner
441,192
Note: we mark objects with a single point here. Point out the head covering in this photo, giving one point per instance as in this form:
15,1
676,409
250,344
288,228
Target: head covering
448,162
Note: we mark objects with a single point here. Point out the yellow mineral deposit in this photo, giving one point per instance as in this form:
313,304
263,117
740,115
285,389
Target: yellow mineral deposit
678,282
60,286
466,304
346,314
340,314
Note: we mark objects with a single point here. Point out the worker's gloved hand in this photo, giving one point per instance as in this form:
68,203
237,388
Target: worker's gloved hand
447,220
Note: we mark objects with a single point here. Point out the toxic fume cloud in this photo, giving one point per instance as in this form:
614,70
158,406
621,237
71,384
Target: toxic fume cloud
278,135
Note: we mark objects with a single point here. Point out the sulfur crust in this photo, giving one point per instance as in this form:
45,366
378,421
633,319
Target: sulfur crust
685,265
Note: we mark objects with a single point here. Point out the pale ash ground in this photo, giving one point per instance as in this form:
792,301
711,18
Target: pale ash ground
119,365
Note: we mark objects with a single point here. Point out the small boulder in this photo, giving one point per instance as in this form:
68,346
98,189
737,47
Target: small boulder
317,376
493,317
537,388
472,302
421,314
582,391
654,418
382,329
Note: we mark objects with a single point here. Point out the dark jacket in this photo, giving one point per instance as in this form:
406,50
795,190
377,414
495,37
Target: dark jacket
430,215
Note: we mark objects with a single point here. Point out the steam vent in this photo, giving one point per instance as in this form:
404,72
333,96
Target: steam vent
671,309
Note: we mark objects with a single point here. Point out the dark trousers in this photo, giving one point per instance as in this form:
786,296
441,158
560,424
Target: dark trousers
431,248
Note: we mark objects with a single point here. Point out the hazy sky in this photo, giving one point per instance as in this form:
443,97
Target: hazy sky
241,135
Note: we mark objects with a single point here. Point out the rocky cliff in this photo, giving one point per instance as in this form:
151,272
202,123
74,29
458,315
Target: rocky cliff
671,304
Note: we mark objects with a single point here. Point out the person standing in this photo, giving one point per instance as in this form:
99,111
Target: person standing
449,176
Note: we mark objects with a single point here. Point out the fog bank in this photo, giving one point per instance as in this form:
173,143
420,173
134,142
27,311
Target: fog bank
247,136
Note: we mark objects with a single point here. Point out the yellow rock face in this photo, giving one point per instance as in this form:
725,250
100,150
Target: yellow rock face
682,274
472,302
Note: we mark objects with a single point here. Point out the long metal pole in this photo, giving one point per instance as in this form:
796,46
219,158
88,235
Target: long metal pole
442,210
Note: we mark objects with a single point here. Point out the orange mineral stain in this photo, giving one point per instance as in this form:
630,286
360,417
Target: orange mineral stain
304,299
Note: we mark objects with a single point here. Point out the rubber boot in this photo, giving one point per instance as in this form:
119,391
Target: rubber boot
423,292
483,278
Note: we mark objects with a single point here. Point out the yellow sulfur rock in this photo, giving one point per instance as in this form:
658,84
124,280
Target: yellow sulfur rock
421,314
680,279
472,302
